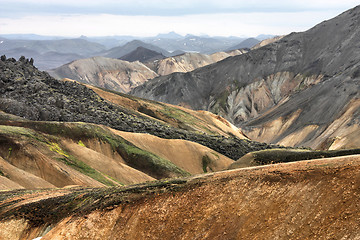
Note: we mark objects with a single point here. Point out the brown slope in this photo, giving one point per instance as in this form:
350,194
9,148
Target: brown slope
176,116
31,163
111,167
192,157
304,200
76,154
20,178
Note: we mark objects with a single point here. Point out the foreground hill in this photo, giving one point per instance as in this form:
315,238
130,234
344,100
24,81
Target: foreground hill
307,200
302,90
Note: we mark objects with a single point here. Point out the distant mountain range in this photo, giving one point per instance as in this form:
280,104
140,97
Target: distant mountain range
50,52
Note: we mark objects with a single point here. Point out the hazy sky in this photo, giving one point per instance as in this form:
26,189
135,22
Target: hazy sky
150,17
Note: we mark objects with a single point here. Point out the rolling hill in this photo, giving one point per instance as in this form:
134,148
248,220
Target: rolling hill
304,200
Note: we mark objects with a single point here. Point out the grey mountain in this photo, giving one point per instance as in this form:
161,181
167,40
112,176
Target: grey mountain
247,43
118,52
298,86
143,55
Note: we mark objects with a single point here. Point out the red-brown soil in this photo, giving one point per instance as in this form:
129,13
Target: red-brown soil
315,199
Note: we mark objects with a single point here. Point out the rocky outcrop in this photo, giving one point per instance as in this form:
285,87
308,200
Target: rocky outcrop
307,77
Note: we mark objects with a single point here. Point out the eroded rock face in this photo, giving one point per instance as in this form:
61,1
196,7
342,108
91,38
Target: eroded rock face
314,73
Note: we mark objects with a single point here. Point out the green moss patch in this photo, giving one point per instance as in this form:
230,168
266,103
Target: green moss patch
21,132
79,165
86,169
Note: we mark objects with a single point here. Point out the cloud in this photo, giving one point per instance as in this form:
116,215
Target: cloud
224,24
16,8
149,17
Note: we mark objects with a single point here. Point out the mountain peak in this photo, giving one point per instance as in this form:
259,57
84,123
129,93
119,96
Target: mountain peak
170,35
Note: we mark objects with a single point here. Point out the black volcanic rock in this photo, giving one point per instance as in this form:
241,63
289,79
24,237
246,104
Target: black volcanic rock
35,95
143,55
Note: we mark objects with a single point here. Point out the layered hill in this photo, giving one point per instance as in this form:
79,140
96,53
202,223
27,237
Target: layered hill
307,200
302,90
107,73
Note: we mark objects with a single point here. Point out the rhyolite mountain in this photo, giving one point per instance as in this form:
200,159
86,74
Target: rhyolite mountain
302,90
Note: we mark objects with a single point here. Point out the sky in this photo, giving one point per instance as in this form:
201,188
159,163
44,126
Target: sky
73,18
